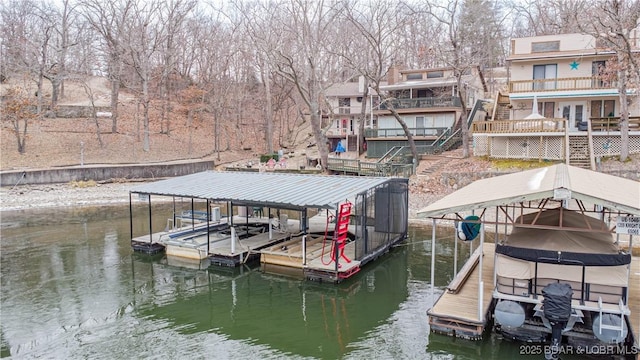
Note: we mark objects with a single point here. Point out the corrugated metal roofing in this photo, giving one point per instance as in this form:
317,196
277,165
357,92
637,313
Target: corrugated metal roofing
557,180
268,189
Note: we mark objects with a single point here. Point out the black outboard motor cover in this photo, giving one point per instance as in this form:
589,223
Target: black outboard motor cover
557,302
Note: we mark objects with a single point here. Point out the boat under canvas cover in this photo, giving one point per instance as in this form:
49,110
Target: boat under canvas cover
561,242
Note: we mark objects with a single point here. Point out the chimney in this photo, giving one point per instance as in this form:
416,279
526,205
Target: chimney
393,75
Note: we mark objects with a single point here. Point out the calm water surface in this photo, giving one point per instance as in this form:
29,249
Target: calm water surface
73,289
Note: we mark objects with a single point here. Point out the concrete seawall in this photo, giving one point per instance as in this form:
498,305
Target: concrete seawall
164,170
103,172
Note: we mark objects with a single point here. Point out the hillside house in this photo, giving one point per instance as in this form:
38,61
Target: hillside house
562,103
344,111
427,100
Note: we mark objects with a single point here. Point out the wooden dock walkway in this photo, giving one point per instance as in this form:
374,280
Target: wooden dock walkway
457,313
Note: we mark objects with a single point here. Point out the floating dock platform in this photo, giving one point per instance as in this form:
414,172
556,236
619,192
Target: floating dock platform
456,313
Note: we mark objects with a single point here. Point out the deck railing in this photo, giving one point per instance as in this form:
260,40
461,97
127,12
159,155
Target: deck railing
519,126
365,168
558,84
399,132
613,123
421,103
549,125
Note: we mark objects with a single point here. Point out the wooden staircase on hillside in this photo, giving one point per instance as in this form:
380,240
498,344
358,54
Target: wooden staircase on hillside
580,152
502,107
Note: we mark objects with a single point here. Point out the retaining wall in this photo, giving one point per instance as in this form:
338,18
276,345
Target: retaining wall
103,173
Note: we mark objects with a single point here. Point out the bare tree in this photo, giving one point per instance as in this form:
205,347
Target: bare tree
215,47
546,17
614,24
172,17
378,23
264,39
143,40
304,56
109,19
94,114
64,19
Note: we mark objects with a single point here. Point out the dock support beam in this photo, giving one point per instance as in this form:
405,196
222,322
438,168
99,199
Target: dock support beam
433,256
304,249
233,240
480,281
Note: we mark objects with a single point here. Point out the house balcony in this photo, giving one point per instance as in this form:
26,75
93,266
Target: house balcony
347,110
399,132
422,103
341,132
561,84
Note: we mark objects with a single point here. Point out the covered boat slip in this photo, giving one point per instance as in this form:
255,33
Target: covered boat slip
326,227
555,224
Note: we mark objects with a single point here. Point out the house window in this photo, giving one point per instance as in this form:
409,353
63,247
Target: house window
344,105
603,108
598,72
417,76
424,93
419,131
547,109
435,74
544,76
545,46
597,67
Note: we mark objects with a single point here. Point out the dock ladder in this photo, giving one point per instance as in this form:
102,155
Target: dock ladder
342,228
612,327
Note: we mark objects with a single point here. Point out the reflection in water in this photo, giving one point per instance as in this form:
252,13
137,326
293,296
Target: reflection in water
298,317
72,288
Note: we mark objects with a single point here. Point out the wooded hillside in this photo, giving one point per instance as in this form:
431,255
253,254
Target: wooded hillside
221,76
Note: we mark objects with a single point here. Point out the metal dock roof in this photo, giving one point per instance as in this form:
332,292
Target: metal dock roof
282,190
555,181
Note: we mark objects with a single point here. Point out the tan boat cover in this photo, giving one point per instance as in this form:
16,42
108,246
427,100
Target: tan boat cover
568,239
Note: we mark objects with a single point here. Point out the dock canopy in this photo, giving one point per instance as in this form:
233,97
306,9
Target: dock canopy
279,190
558,182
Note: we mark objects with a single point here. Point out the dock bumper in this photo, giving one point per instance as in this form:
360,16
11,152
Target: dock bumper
320,275
147,248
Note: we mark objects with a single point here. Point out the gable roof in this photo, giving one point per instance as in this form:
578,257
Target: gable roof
558,182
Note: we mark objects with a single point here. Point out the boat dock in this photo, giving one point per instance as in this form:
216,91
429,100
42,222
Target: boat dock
324,227
456,312
536,212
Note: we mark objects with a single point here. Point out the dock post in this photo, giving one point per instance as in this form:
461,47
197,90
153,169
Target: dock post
455,255
433,256
270,227
304,249
233,240
130,218
480,282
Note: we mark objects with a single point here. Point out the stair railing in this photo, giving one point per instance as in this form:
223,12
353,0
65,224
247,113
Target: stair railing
592,160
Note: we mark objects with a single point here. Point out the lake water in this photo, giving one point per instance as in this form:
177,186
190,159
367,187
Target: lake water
72,288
